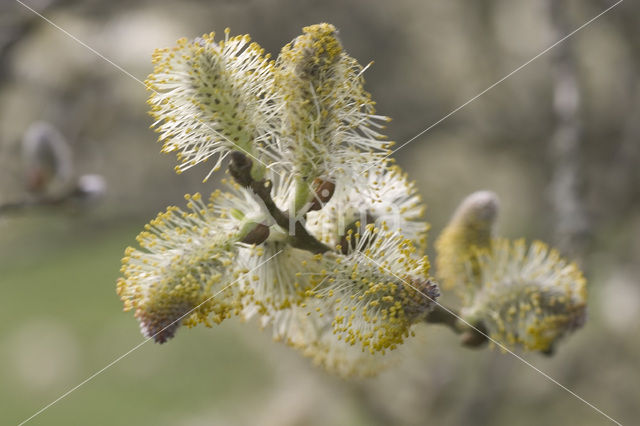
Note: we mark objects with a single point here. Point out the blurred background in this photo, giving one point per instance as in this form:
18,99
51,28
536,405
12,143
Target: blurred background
559,141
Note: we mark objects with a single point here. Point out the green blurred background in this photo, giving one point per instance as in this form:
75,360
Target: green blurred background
61,321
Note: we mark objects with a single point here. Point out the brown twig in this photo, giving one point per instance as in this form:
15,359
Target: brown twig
472,337
240,169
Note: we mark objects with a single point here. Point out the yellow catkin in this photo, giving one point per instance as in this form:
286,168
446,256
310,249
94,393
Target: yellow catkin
470,228
526,296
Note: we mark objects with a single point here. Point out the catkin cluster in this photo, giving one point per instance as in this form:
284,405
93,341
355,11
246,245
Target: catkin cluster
318,235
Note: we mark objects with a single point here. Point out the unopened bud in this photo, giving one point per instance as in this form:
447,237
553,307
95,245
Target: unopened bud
256,233
478,212
47,159
323,191
471,226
